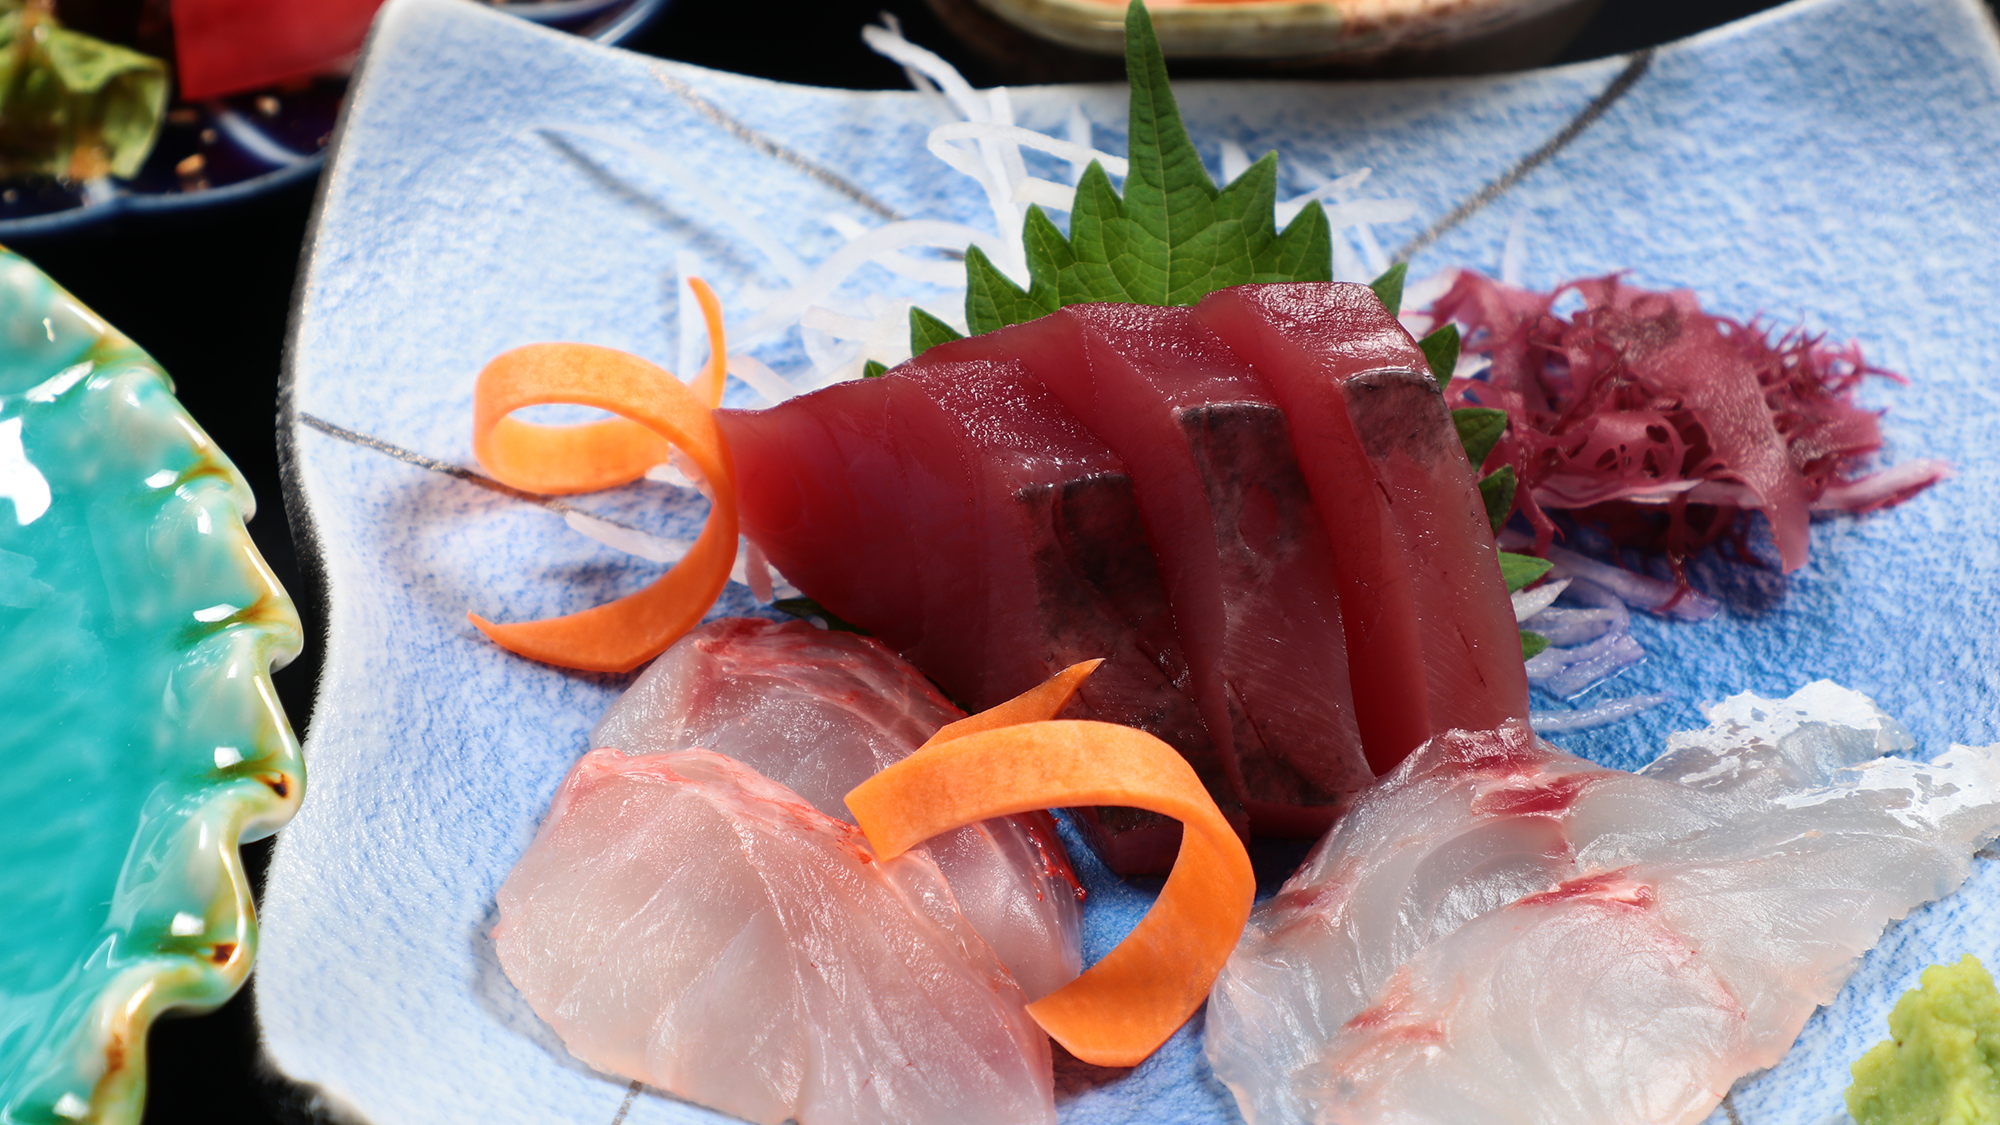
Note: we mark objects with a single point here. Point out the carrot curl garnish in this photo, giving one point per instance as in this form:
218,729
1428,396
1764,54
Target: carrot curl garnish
1043,701
1122,1008
709,386
657,413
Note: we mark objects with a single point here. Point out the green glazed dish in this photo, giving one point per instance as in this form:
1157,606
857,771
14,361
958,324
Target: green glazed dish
140,739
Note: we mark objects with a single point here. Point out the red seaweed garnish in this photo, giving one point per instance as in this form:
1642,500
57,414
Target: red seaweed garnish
1666,425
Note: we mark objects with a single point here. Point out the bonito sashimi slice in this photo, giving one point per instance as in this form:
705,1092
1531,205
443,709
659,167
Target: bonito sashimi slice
819,712
1500,932
750,953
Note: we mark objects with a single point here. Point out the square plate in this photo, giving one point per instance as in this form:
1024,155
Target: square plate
1830,163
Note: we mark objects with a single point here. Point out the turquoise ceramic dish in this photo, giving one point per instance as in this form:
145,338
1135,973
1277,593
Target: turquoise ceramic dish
140,740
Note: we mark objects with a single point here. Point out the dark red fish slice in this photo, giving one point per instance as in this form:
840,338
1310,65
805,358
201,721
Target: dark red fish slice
1427,618
1072,578
1241,549
1257,510
860,494
1132,415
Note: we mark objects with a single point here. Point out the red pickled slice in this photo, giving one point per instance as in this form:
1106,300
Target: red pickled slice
1429,627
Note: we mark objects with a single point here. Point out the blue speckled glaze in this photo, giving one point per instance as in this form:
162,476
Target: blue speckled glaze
1831,162
139,736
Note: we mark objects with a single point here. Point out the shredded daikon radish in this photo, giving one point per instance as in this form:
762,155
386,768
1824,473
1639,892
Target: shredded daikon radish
1598,715
1651,594
759,377
1568,672
1077,154
751,569
1528,603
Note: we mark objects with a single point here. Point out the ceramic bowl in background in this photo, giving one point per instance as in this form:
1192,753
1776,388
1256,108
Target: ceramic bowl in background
1373,37
220,152
140,739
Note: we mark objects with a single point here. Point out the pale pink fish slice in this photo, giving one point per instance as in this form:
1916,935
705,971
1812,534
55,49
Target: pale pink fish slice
1503,933
686,922
820,712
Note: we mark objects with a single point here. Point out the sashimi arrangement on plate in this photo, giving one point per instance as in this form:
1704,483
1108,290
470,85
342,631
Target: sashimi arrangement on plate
1079,555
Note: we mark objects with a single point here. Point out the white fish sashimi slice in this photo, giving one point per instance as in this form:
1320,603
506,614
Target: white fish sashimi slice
1690,920
817,711
1483,1027
1462,827
820,712
747,952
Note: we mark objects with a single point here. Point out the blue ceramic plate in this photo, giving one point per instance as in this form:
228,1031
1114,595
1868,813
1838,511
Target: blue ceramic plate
1832,162
140,739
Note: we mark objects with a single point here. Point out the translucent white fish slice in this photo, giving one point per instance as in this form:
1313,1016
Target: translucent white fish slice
820,712
1676,930
683,921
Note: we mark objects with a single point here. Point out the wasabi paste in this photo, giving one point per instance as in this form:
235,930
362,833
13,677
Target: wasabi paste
1941,1065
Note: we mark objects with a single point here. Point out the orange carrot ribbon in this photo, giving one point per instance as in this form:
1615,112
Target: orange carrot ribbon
656,413
1122,1008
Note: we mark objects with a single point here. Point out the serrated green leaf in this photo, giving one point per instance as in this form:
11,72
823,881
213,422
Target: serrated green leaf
927,332
808,609
1497,490
1389,287
1172,239
1441,349
1532,644
1304,252
1479,428
992,300
1519,570
874,370
1170,201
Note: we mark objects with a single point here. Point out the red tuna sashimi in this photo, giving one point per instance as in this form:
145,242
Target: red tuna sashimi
860,494
1426,612
1038,472
1072,577
1241,552
1059,569
1285,657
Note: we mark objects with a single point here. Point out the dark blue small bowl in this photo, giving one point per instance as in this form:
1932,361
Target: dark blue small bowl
221,152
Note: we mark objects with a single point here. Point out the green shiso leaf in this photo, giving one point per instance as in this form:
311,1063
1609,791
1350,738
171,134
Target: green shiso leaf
1172,239
1389,287
1497,490
1479,428
927,331
1532,644
72,106
1519,570
1441,348
874,369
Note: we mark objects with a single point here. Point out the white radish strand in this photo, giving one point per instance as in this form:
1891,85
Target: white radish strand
1528,603
1588,718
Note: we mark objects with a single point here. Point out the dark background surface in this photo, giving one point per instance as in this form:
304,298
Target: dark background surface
208,295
